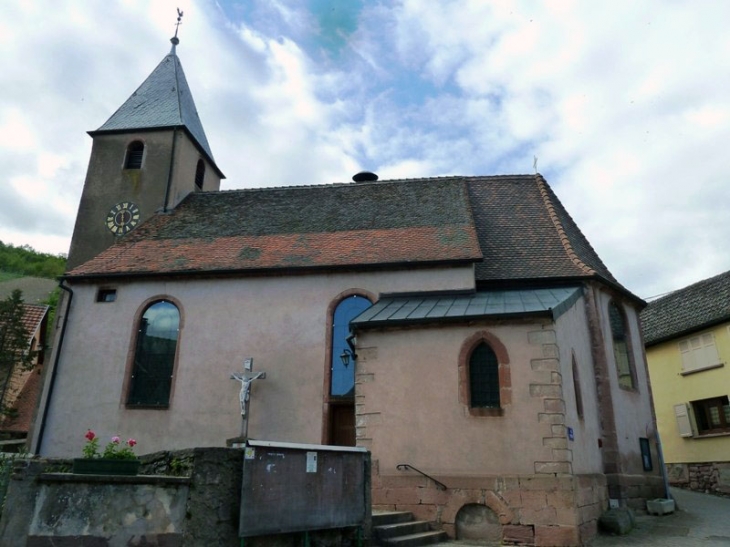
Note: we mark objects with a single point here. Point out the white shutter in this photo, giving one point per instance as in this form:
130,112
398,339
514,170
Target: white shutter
709,350
699,352
684,426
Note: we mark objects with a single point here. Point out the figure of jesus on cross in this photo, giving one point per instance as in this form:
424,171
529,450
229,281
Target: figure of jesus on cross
246,377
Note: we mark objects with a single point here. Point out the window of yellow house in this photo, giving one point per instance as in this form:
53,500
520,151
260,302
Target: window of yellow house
712,415
698,352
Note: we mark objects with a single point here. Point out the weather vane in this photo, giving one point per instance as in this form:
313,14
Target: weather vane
175,40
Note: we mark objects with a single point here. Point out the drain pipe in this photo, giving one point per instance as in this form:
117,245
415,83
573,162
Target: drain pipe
660,455
52,381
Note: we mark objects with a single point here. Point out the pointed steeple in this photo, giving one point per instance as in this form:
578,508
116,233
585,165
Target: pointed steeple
162,101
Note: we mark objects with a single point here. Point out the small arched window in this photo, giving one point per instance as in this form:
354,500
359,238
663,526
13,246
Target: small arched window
622,353
200,174
483,378
135,153
154,356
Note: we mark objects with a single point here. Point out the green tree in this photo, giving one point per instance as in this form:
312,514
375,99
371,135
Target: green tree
24,260
15,352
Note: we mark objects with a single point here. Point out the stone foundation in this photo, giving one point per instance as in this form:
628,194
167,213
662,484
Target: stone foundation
711,477
632,491
540,510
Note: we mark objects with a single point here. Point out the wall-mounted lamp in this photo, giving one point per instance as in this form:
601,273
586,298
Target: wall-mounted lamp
346,356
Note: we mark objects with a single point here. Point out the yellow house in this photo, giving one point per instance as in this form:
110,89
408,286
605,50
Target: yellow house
687,338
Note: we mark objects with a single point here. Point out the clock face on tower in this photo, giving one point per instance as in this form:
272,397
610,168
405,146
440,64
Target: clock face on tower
122,218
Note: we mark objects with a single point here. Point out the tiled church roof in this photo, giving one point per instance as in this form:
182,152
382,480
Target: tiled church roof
516,223
693,308
345,225
525,233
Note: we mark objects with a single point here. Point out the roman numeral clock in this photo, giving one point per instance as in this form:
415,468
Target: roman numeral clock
122,218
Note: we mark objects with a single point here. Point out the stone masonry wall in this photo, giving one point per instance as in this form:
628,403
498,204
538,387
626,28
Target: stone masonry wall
540,510
547,385
46,505
712,477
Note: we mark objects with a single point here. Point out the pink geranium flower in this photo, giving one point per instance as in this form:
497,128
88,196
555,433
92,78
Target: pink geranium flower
90,435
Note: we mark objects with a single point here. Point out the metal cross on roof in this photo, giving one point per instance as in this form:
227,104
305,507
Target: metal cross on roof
175,40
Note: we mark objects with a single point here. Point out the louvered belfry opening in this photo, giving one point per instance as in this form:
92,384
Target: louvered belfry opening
135,152
200,174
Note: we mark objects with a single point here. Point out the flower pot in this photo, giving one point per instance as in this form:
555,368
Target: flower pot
101,466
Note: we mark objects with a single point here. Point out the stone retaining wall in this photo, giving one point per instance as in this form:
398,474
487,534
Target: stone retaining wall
556,510
46,505
711,477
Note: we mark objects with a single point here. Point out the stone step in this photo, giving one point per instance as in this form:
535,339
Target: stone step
401,529
415,540
383,518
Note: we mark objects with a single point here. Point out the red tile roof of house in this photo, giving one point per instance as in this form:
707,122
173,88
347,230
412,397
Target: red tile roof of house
33,315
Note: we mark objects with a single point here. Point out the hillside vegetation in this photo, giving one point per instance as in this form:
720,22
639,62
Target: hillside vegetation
25,261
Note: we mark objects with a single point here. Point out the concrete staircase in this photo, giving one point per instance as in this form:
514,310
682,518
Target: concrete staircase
400,528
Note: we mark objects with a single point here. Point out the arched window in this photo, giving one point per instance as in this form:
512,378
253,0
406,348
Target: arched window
154,356
342,379
485,384
622,353
199,174
135,152
483,378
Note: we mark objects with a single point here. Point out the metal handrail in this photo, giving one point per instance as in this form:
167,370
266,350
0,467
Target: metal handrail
406,466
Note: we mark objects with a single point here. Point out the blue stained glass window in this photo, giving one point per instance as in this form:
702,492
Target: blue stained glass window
342,382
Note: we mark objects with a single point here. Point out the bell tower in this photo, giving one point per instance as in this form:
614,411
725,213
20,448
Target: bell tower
149,155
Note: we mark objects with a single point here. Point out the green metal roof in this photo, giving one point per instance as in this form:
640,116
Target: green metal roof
418,308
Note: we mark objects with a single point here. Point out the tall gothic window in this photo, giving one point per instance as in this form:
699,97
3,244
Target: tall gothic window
135,153
154,356
622,353
483,378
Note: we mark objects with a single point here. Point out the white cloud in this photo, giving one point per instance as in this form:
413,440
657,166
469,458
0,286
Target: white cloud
625,104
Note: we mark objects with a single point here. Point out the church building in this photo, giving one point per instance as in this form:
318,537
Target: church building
460,328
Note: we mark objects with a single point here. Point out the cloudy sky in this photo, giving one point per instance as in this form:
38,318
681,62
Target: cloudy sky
625,105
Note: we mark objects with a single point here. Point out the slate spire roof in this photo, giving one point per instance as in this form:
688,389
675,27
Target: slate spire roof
691,309
163,100
513,228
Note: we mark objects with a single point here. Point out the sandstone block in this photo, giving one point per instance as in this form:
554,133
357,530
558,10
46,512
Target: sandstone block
557,536
521,535
546,390
550,365
550,418
552,467
541,337
554,405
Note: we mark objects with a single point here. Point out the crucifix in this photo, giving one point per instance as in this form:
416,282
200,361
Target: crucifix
246,377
